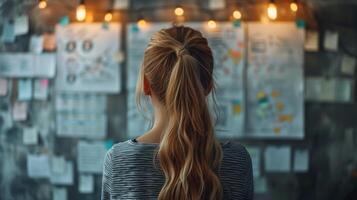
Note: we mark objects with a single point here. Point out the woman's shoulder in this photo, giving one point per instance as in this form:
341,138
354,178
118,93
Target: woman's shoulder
234,152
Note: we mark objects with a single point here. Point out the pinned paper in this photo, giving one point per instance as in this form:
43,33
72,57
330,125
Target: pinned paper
25,90
121,4
260,185
312,41
36,44
64,178
19,111
301,160
216,4
8,32
30,136
254,153
331,41
277,158
59,193
21,25
86,184
348,65
49,42
58,164
41,89
91,156
3,87
38,166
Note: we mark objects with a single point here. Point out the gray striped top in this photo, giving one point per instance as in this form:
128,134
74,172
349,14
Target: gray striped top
129,172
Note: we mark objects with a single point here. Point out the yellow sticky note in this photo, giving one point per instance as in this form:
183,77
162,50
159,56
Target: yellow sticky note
260,94
279,106
277,130
275,93
286,118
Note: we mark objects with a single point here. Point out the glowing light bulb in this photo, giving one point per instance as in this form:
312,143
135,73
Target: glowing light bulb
81,12
211,24
142,23
108,17
237,14
294,7
42,4
179,11
272,11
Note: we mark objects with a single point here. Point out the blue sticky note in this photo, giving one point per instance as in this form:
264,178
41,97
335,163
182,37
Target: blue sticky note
64,21
300,23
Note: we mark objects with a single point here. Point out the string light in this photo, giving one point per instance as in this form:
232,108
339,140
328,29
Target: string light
81,11
42,4
108,16
272,10
179,11
293,6
211,24
141,23
237,14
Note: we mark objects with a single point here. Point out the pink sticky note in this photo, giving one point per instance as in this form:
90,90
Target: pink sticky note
44,83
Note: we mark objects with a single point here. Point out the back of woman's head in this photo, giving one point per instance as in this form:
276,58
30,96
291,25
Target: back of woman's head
178,65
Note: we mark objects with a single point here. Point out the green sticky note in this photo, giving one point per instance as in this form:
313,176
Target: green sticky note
64,21
236,23
300,23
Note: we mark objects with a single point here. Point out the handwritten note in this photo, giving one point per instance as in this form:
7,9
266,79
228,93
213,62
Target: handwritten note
24,90
38,166
86,184
90,156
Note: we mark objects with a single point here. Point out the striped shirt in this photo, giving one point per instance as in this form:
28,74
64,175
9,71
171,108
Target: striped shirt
130,173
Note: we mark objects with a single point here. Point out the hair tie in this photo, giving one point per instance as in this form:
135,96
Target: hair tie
182,51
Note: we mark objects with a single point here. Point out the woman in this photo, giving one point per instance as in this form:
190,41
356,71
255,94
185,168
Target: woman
189,162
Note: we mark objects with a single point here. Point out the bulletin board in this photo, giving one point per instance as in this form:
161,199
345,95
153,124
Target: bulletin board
275,100
88,55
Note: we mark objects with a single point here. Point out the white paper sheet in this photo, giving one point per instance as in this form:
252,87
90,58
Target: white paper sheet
312,41
65,178
121,4
21,25
3,87
30,136
348,65
36,43
90,157
19,111
301,160
255,155
59,193
86,184
58,164
38,166
24,90
331,40
277,159
86,58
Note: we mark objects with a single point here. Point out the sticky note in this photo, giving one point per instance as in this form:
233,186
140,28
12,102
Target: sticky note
21,25
41,89
8,32
36,43
348,65
30,136
86,184
38,166
331,40
301,160
24,89
58,164
311,41
277,158
19,111
59,193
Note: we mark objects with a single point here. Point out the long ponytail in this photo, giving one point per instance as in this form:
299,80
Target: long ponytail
178,64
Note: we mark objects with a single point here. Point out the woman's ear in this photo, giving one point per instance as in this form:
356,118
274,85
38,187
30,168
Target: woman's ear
147,89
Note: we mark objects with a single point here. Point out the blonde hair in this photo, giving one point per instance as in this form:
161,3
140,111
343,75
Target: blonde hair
178,64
